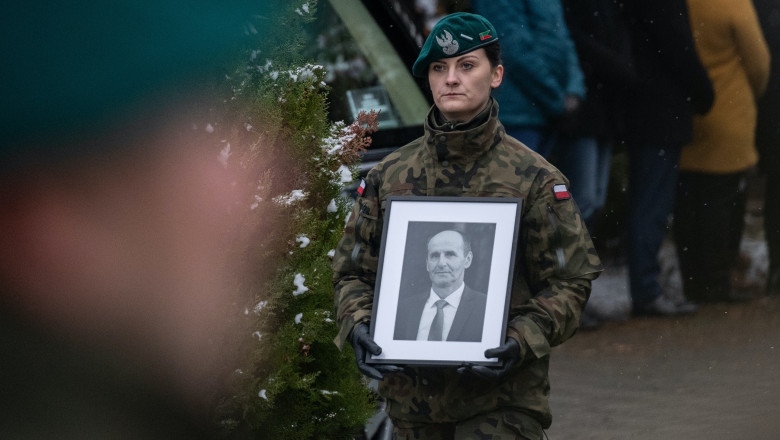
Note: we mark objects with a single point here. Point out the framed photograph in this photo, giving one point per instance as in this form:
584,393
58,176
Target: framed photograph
444,279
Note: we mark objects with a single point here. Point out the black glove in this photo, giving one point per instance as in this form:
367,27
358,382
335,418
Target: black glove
361,342
510,352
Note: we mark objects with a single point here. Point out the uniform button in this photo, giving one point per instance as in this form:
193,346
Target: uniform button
430,140
443,138
430,397
445,163
425,381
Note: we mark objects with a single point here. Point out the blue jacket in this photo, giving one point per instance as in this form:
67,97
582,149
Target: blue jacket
540,62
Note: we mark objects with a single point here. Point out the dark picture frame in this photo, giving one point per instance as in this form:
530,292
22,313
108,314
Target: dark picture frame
491,226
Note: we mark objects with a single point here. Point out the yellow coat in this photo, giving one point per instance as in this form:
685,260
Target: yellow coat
732,48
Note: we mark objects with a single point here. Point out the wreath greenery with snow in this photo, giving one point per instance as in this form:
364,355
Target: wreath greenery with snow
292,382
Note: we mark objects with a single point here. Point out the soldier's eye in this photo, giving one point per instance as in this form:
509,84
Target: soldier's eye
468,66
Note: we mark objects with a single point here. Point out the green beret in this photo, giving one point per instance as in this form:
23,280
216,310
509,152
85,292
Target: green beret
454,35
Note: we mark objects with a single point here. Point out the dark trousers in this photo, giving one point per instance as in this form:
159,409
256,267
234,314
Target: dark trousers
652,180
498,424
771,166
772,218
709,218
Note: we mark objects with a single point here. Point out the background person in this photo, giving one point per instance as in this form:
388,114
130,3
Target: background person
585,142
768,139
544,84
672,86
709,215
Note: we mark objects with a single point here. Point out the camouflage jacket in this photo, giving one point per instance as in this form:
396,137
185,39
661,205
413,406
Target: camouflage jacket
555,265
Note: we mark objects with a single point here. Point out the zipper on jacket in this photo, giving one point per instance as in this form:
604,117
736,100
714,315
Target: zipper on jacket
355,252
559,254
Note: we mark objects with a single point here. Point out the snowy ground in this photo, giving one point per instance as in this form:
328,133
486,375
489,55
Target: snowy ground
710,375
610,298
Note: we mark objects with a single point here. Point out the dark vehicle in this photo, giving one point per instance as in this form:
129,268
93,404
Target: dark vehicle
384,38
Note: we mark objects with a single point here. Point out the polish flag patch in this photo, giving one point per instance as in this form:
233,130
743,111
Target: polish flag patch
561,192
362,187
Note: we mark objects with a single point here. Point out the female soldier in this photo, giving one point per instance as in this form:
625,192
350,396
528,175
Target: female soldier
465,152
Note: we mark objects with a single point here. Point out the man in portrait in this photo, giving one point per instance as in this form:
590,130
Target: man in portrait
450,310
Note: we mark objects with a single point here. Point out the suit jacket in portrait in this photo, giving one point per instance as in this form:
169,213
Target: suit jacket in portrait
466,327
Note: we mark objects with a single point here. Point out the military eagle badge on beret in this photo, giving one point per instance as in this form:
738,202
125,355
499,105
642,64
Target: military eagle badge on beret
448,44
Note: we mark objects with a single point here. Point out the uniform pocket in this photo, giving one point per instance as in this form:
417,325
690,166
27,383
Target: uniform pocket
365,225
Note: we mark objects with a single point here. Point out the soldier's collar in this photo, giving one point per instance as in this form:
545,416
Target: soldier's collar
440,123
466,141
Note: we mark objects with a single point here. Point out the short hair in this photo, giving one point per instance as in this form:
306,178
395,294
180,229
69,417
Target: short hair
493,52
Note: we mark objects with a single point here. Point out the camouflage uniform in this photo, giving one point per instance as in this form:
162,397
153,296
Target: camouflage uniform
556,263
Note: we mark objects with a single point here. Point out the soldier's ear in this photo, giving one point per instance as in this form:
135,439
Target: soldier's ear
497,76
469,258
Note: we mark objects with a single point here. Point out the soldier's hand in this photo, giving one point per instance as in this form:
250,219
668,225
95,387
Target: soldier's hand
571,103
572,113
510,352
362,342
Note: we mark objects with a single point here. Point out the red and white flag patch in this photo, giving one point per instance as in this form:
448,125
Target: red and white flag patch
362,187
561,192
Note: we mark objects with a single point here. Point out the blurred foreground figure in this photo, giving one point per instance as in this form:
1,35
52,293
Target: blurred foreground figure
114,220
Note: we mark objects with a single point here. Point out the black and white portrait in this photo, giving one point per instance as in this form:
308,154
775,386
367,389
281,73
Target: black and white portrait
444,282
444,279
